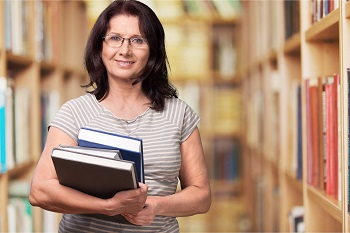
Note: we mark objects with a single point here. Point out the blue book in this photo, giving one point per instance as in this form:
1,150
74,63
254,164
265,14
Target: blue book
130,148
3,84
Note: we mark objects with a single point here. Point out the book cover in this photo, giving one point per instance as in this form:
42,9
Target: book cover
299,136
98,176
332,137
321,130
130,148
314,120
2,124
348,139
94,175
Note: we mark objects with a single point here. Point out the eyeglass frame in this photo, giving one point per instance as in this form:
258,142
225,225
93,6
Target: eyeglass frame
123,39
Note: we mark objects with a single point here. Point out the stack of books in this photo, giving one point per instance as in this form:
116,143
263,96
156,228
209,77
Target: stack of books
101,165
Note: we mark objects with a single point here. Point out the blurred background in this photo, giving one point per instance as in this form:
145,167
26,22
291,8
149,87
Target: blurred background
246,67
41,64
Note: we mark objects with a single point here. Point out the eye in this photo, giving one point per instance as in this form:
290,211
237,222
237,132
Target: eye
115,38
138,40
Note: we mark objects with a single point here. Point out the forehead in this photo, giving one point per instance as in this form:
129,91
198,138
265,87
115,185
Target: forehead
124,24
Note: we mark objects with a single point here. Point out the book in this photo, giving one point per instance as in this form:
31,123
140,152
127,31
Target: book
332,136
98,176
299,135
3,84
348,139
311,88
94,175
296,219
131,148
105,153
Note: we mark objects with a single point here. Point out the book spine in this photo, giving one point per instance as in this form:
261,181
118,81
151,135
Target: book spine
2,124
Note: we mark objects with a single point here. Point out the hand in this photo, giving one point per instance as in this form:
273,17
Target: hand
131,201
146,215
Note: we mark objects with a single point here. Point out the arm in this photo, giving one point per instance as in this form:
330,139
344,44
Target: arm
47,193
195,196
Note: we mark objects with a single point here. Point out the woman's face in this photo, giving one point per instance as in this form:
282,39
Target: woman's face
127,61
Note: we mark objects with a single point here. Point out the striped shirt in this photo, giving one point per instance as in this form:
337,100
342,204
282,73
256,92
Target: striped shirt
162,133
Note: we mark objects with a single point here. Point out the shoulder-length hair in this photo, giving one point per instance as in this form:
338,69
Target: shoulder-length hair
154,78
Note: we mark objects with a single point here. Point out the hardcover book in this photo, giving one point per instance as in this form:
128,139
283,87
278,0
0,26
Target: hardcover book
130,148
95,175
98,176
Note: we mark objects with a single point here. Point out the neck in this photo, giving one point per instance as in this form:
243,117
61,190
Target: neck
126,102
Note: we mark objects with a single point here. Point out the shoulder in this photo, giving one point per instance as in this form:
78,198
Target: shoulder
87,99
82,104
182,115
175,103
177,109
82,108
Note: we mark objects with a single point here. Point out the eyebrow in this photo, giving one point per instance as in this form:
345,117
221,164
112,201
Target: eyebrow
118,34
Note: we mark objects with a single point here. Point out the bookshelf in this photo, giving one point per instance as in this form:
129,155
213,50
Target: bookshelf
41,51
285,61
48,65
201,43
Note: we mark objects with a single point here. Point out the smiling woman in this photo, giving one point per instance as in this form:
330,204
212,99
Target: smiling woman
131,95
124,62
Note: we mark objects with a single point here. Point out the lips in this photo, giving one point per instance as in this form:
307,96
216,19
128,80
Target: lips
124,63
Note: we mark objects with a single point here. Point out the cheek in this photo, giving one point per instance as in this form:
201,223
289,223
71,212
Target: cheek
106,54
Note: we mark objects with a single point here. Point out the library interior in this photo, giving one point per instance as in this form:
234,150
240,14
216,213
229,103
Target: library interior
269,80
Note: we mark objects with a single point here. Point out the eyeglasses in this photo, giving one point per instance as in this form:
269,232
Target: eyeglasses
117,41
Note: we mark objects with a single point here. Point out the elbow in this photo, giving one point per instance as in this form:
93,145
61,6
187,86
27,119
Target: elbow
206,203
32,200
34,195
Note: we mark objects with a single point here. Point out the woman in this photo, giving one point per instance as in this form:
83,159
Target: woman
129,94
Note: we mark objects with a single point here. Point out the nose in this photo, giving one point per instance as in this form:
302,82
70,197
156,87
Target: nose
125,49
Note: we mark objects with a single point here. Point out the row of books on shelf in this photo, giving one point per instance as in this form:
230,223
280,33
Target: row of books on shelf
225,9
14,128
291,18
220,103
17,21
321,8
14,117
101,165
202,52
226,159
323,133
20,212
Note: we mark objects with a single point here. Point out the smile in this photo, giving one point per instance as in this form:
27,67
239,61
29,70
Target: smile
125,62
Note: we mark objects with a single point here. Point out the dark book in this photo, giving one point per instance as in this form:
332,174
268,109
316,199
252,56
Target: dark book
348,139
98,176
130,148
299,139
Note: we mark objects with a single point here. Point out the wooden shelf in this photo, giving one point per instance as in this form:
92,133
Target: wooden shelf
347,9
297,184
329,204
327,29
293,45
32,73
275,110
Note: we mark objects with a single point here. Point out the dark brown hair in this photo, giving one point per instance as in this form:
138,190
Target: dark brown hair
155,81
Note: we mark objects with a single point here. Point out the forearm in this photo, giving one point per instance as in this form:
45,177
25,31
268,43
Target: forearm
189,201
52,196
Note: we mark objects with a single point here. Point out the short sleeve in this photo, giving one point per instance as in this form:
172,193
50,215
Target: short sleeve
190,122
65,121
